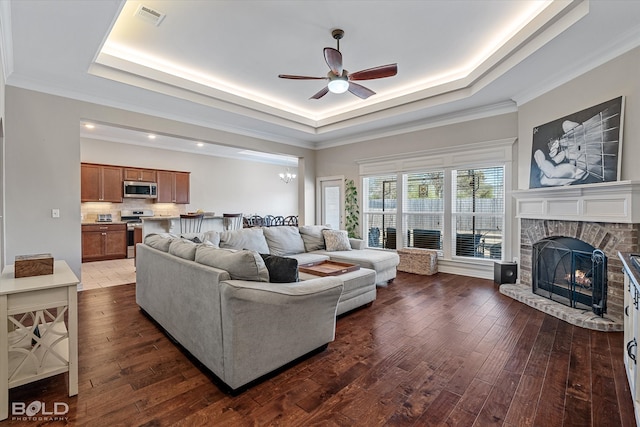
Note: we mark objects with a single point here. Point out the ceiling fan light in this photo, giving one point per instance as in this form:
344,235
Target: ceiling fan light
338,86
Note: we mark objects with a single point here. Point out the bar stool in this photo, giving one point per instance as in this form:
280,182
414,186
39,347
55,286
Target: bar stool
232,221
191,223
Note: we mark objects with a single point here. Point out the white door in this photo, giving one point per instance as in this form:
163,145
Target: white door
331,202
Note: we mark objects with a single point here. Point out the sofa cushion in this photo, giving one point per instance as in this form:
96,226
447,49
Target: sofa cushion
336,240
160,242
281,269
309,257
240,264
312,237
367,258
213,237
183,248
245,238
284,240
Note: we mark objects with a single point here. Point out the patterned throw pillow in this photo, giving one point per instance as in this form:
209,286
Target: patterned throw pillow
336,240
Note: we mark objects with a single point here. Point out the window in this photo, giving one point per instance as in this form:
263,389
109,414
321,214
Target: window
379,211
423,209
473,199
450,199
478,212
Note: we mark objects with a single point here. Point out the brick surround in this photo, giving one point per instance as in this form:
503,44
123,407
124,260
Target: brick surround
611,238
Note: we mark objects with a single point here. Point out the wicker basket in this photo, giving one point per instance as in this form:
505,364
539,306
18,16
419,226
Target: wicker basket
418,261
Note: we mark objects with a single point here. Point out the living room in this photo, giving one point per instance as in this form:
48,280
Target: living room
43,148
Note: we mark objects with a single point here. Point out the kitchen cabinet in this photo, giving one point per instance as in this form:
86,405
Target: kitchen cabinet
100,183
137,238
173,187
631,329
140,175
104,241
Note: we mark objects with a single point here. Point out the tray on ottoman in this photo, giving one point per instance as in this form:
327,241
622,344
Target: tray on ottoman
327,268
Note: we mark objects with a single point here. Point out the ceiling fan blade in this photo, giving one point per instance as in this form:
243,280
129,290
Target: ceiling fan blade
334,60
360,91
375,73
320,94
288,76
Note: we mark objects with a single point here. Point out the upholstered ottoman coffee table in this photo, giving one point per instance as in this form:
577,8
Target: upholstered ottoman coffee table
359,288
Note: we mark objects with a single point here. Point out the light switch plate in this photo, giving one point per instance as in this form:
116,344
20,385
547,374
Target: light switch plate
55,213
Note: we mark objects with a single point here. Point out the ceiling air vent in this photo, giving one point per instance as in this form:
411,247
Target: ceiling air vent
150,15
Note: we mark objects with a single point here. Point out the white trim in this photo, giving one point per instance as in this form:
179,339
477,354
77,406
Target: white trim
617,202
6,39
319,181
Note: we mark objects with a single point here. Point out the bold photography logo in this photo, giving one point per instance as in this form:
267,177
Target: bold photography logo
39,410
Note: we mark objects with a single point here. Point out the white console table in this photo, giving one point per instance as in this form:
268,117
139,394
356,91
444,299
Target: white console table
35,340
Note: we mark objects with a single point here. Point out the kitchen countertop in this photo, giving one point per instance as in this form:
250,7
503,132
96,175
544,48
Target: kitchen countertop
161,218
102,223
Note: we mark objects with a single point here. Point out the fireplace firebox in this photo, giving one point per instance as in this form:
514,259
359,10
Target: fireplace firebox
570,271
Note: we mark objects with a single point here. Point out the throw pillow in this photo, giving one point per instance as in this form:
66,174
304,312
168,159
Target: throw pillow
312,237
241,265
160,242
336,240
213,237
281,269
244,238
283,240
183,248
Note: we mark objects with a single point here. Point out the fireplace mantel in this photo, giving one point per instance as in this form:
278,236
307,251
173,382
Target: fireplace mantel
617,202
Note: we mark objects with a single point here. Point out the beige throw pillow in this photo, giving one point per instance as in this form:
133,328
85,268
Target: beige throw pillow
336,240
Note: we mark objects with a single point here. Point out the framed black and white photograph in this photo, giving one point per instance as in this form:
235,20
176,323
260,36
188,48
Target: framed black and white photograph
581,148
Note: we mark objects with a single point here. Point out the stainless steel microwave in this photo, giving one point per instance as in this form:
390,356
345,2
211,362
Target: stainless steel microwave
140,190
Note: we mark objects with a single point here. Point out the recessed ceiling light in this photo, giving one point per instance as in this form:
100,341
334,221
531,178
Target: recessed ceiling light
200,144
152,136
89,126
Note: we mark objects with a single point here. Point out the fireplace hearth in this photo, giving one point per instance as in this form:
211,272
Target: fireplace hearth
571,272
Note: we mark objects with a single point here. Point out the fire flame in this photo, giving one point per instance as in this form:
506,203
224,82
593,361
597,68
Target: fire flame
580,278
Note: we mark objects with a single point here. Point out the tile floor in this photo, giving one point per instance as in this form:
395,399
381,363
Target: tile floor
101,274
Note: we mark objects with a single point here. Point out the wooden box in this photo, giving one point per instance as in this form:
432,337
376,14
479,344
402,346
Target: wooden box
33,265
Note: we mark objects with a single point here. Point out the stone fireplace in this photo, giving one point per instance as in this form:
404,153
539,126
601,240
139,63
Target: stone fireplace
603,216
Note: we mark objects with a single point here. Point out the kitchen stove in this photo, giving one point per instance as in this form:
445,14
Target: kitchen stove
133,218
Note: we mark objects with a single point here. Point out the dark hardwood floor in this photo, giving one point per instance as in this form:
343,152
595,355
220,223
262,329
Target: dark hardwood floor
432,350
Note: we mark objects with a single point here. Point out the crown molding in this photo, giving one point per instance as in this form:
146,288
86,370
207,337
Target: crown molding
626,43
438,121
30,84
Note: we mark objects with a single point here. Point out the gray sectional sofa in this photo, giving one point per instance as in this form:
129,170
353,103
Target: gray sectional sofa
211,293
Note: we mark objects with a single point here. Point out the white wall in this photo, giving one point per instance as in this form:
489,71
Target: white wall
42,167
218,184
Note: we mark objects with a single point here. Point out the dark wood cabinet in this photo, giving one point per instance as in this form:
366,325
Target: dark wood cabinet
100,183
104,241
137,238
173,187
140,175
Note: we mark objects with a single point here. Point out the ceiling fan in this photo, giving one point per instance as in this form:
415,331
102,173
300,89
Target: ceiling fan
340,80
